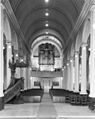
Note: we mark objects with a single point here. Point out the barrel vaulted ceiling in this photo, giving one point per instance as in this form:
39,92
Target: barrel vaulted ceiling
61,18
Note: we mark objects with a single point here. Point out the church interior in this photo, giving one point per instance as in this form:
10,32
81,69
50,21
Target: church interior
47,59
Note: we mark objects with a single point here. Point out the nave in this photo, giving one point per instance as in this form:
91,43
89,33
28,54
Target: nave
46,110
47,54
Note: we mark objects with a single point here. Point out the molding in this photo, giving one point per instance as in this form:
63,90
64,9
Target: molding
15,23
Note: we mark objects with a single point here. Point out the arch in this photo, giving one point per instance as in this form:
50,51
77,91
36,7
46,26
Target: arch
72,49
36,10
47,39
86,31
39,6
8,34
68,55
35,26
7,28
78,40
14,40
51,32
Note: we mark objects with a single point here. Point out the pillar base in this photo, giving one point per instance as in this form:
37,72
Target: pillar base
91,103
1,103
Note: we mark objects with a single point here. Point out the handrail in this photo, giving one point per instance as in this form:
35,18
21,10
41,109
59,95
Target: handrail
13,91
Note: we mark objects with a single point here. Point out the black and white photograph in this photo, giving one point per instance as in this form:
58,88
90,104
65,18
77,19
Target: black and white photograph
47,59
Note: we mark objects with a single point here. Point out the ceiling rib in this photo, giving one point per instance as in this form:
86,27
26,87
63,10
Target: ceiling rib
32,34
50,21
66,16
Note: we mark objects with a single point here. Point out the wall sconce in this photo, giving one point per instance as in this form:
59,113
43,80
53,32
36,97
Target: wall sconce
21,60
71,61
46,1
16,55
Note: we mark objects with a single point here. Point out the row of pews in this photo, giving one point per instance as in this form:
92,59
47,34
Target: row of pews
32,95
16,95
62,95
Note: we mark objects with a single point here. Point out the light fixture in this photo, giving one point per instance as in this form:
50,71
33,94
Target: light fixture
89,49
46,24
76,55
3,47
46,32
71,61
21,60
64,67
16,55
84,48
46,14
46,1
9,46
94,26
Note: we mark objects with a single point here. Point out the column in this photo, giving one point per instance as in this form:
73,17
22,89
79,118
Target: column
1,58
64,77
27,77
9,58
76,71
84,70
92,55
71,73
68,75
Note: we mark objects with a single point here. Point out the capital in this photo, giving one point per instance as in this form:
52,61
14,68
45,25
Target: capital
84,44
8,42
76,53
1,5
92,8
71,59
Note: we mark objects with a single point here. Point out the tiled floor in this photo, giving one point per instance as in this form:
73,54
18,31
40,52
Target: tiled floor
46,110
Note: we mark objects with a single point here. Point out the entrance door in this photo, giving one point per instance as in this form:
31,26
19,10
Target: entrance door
46,85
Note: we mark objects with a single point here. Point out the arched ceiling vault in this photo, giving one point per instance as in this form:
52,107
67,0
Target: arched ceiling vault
62,17
40,25
56,34
51,32
43,35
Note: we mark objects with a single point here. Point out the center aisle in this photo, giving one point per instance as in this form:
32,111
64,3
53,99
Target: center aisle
46,108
